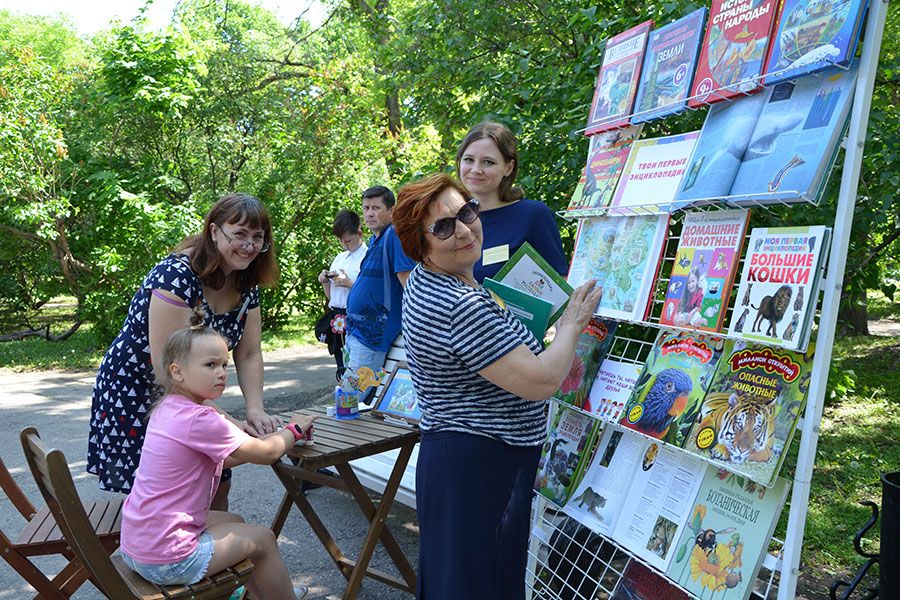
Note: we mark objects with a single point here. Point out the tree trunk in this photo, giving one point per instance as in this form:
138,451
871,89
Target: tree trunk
854,313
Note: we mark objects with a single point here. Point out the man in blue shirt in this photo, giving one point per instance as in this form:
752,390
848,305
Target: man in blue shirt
375,301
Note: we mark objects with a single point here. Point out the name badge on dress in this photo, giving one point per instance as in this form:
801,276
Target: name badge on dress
495,255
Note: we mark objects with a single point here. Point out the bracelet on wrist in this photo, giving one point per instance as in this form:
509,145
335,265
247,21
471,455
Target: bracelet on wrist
295,431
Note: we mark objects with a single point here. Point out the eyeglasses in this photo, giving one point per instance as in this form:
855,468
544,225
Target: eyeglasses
240,244
442,229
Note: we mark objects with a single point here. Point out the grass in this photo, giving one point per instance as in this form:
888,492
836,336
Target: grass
882,307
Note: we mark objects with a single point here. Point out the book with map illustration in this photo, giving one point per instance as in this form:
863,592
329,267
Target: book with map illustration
528,272
618,79
622,254
565,452
750,411
606,158
704,270
734,50
730,524
669,65
666,400
592,346
813,35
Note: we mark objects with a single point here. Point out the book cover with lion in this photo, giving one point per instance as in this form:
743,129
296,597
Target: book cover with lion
565,453
751,409
591,348
777,296
666,399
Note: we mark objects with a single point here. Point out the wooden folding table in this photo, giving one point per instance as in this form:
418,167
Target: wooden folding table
335,444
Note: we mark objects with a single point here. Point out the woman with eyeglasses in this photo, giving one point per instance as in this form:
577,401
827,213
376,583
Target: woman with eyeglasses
482,380
220,270
487,162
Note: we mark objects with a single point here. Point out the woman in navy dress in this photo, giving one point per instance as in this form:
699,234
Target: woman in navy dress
487,162
221,270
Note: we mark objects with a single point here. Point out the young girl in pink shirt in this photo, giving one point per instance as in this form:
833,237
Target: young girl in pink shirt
169,534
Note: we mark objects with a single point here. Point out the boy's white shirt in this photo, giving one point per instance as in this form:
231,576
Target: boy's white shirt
349,263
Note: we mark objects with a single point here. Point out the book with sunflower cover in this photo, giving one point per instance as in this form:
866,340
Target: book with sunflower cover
667,397
591,348
727,537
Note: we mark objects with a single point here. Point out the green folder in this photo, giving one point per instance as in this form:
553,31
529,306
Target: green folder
527,271
534,312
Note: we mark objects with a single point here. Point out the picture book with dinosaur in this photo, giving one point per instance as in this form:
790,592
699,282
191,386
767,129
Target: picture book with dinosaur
796,138
734,50
640,582
666,400
704,270
612,388
622,254
719,150
569,441
592,346
750,411
719,554
618,79
669,65
813,35
653,171
528,272
777,293
606,159
534,312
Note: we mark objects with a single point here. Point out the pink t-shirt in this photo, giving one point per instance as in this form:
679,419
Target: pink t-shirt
181,462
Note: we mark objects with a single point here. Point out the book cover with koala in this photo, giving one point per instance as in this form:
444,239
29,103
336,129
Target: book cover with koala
730,523
704,270
667,397
569,442
750,412
778,291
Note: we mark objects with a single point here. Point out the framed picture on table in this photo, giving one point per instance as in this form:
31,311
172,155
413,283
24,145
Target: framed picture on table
397,398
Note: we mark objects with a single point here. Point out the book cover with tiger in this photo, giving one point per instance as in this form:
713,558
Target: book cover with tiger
750,411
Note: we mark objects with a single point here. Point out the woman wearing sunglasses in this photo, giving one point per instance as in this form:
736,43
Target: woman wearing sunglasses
487,162
220,270
482,380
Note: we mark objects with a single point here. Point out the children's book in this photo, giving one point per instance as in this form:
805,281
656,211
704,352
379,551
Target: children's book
751,409
618,79
606,158
734,50
532,311
527,271
704,269
719,150
592,346
813,35
669,65
565,452
637,490
612,388
656,509
776,297
667,397
640,582
796,137
654,170
622,254
731,521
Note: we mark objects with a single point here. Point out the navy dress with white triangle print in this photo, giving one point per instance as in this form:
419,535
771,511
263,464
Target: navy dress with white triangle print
125,385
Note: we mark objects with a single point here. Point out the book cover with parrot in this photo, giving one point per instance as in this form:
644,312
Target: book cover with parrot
591,348
731,522
666,400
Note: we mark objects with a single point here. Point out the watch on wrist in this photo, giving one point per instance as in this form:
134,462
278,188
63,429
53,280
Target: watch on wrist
295,430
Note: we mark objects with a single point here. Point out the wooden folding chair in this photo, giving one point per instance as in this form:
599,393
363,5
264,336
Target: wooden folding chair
42,537
109,574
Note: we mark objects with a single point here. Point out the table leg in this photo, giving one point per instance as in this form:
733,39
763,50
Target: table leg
376,518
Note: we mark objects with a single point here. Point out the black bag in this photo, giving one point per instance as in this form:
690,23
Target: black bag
330,329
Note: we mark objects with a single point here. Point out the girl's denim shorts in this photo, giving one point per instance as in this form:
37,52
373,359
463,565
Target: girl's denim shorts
190,570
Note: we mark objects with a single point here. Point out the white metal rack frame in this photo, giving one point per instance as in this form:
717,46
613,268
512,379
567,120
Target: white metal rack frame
567,561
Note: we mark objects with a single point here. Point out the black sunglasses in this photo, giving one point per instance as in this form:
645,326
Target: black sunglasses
442,229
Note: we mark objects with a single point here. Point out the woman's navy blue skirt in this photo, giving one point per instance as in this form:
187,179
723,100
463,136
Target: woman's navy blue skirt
473,497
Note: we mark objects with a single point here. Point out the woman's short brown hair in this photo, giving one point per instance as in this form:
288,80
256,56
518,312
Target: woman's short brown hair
506,143
411,211
240,209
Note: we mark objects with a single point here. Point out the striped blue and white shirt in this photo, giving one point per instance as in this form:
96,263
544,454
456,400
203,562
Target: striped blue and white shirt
451,332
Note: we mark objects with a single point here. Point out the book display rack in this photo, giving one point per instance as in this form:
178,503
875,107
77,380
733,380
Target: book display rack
568,560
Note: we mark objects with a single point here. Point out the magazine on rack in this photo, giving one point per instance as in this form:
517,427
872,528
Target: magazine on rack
606,159
592,346
569,442
612,388
653,171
